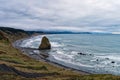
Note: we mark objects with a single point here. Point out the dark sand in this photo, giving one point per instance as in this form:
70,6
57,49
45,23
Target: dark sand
30,52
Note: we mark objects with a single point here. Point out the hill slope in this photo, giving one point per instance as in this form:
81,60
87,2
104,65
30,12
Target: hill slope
13,60
16,66
12,34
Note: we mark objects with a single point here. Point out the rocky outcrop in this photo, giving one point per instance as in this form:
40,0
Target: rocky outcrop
45,44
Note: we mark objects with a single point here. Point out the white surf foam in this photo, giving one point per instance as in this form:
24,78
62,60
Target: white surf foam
32,42
60,56
56,44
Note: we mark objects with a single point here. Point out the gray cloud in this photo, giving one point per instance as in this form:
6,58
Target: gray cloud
77,15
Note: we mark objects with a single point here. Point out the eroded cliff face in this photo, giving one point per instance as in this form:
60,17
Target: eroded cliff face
45,44
2,36
11,34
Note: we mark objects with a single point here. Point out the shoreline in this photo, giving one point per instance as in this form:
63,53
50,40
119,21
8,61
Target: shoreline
38,57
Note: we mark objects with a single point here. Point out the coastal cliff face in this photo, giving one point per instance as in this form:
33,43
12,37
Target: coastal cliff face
3,37
45,44
12,34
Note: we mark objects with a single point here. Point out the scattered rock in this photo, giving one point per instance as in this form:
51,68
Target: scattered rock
97,60
107,58
45,44
113,62
90,54
81,54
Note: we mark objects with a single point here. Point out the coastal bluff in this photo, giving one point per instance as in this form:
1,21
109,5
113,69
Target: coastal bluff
45,44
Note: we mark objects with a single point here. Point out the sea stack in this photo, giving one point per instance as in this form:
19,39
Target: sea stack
45,44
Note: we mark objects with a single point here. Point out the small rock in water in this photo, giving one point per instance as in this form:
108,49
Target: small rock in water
97,60
113,62
81,54
107,58
90,54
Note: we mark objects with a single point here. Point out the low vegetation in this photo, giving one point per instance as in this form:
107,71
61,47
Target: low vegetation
14,58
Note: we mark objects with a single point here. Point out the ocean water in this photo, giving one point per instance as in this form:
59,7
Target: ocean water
100,53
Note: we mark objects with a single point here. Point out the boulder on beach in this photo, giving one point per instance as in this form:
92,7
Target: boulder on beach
45,44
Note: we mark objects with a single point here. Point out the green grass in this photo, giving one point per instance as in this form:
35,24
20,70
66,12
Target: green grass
11,59
12,76
35,67
96,77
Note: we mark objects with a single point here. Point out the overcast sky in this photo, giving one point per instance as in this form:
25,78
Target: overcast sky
71,15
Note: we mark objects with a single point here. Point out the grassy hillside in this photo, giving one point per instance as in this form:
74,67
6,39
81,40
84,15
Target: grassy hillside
13,63
13,34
